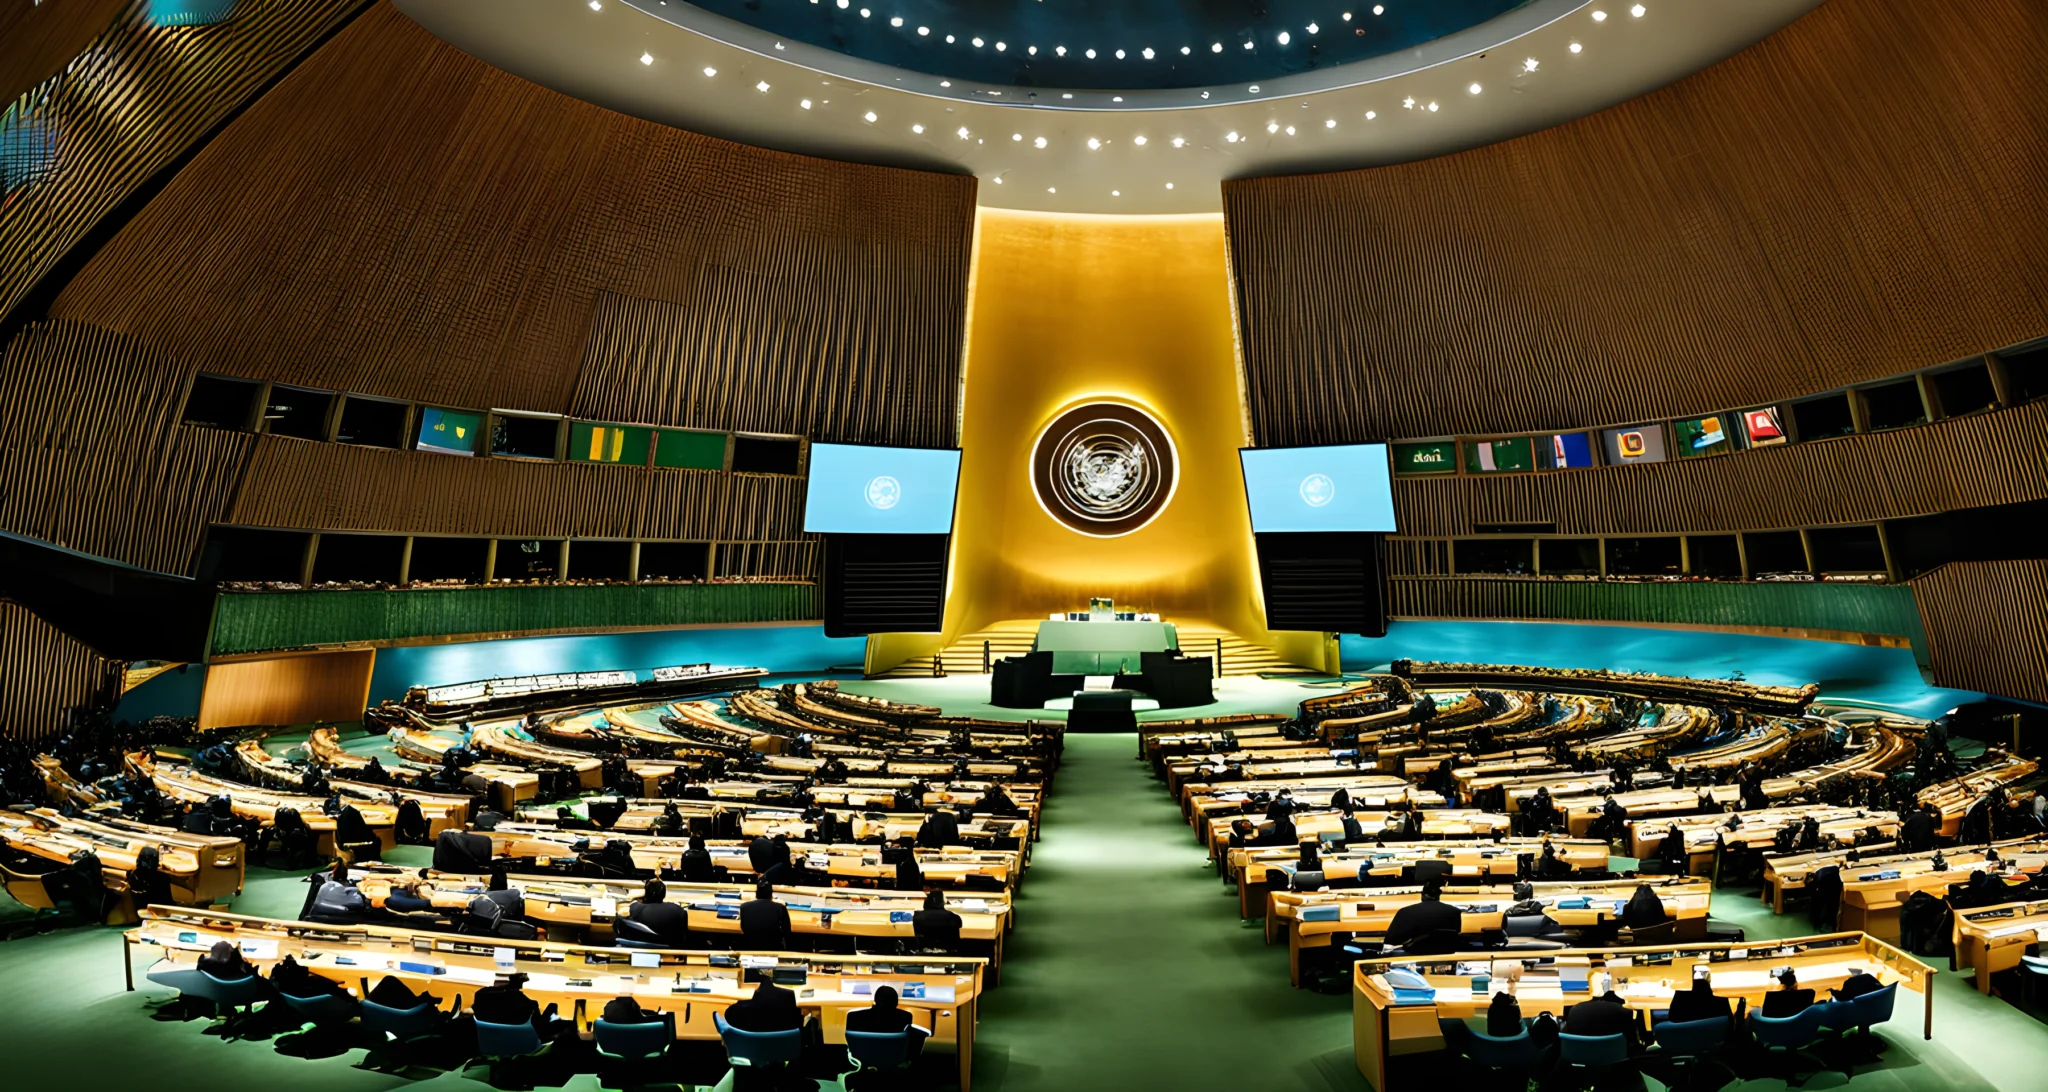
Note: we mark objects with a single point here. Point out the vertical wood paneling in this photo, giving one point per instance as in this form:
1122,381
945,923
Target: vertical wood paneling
1856,196
45,673
399,218
131,103
1987,626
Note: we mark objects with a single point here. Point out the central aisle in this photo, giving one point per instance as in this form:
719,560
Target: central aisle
1129,967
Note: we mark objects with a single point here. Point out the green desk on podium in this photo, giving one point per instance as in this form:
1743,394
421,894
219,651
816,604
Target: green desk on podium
1103,648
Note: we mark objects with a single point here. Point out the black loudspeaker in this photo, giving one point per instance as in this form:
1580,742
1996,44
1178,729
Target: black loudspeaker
884,584
1327,581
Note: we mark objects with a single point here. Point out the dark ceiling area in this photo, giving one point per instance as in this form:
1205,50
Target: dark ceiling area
1121,45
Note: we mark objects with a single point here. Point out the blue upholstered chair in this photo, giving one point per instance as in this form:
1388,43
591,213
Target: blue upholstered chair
1591,1052
758,1049
1789,1036
878,1050
1690,1044
402,1025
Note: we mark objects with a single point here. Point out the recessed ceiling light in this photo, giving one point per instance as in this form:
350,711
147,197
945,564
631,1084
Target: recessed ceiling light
1217,48
1283,37
1638,11
1146,53
1061,50
1314,29
918,128
1347,16
1169,185
1409,102
1184,51
1090,54
1093,144
1230,137
1052,189
945,83
999,180
710,71
870,115
1116,193
647,58
949,39
762,87
1330,124
1032,50
1000,46
1529,65
977,43
1290,130
595,5
1067,94
806,104
1272,126
1039,143
1576,47
1475,88
923,31
963,132
864,13
895,20
1379,9
1138,140
1119,54
1371,114
1599,16
1248,44
1432,108
1116,98
1254,89
844,4
1179,141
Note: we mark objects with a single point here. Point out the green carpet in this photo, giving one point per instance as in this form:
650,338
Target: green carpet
1129,969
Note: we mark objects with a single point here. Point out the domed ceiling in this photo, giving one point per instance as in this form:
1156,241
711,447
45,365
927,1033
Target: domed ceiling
1071,133
1118,45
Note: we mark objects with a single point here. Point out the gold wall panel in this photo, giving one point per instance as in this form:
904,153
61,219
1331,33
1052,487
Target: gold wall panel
324,686
1066,310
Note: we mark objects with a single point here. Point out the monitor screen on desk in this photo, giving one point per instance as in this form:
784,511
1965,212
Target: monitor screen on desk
1343,487
859,490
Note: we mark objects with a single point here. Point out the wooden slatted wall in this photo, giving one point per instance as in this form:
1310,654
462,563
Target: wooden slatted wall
1856,196
399,218
37,39
43,673
1987,626
1965,462
92,453
130,104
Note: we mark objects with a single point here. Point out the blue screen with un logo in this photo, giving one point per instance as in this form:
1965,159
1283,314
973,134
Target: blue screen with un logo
1345,487
857,490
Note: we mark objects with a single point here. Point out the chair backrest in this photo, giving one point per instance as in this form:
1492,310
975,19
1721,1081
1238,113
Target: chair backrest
506,1040
400,1023
1795,1030
757,1047
1664,932
1592,1050
1307,881
1525,925
231,991
1689,1038
1428,870
1501,1052
632,934
1875,1007
879,1049
322,1008
634,1040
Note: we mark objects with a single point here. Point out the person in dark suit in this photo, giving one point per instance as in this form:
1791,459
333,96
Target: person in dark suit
1504,1016
1860,983
224,961
1354,831
1603,1015
669,921
996,801
1698,1003
297,981
940,828
1916,833
1788,999
1550,866
1427,926
1310,858
935,926
772,1008
695,863
625,1010
764,923
785,874
885,1018
392,993
909,877
761,854
1643,909
148,884
509,1004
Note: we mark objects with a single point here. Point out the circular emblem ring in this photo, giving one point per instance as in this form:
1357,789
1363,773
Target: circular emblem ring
1318,490
883,492
1103,469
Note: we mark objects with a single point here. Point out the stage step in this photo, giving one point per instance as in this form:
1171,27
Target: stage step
1014,638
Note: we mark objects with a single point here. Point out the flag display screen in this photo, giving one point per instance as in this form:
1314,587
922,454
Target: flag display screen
1634,444
1344,487
1763,427
1565,451
1500,456
453,432
881,490
1701,436
590,442
1426,457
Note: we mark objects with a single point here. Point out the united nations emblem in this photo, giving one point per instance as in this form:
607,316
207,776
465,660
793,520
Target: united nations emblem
883,492
1318,490
1103,469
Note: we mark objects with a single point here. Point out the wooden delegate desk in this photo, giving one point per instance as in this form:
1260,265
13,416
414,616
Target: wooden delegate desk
1385,1028
1581,812
1990,939
1370,792
578,910
1365,913
508,785
942,993
202,868
1871,900
1437,823
188,786
843,861
1260,869
1786,874
756,820
1706,835
1955,797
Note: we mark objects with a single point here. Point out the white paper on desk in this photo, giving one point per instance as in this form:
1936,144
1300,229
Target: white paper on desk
259,949
750,961
503,957
604,908
646,959
973,904
817,862
939,993
469,976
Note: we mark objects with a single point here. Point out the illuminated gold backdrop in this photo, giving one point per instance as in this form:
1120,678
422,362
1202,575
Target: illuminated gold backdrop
1072,309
